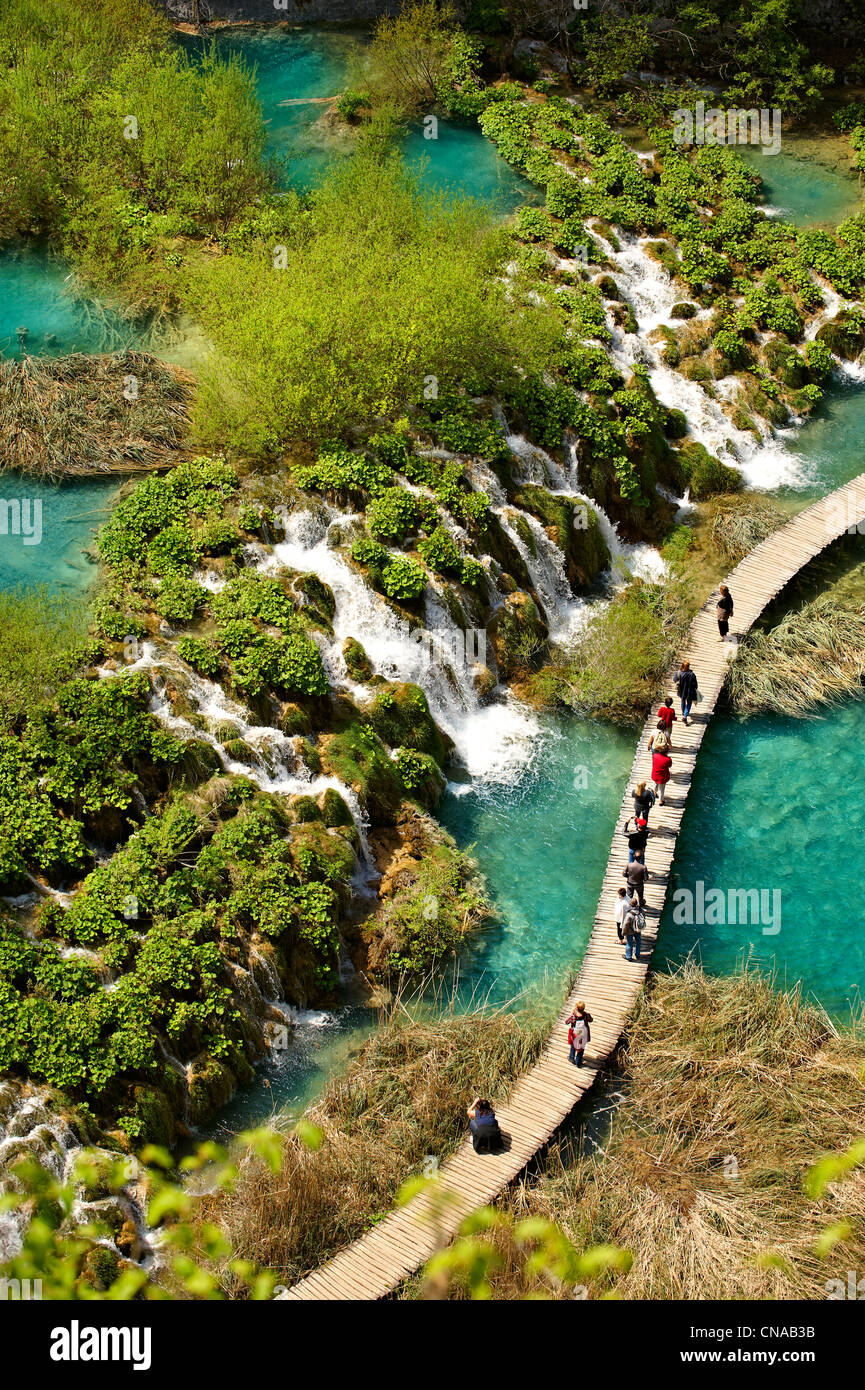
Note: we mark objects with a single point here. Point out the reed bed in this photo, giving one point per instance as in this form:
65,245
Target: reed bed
813,657
740,524
76,416
731,1091
402,1099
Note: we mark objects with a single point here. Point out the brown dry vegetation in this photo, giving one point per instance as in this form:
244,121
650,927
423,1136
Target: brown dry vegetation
716,1070
402,1098
68,416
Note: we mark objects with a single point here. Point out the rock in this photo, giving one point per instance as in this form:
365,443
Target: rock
484,682
357,662
128,1241
517,633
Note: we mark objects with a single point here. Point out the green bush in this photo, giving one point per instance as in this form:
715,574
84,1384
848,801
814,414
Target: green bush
393,515
403,578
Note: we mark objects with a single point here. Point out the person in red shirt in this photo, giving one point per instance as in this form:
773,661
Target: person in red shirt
661,765
667,713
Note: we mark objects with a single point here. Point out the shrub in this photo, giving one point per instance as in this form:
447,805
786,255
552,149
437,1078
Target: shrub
201,655
403,578
440,551
392,515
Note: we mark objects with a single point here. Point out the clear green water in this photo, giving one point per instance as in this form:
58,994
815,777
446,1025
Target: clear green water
776,804
803,190
35,295
296,68
69,517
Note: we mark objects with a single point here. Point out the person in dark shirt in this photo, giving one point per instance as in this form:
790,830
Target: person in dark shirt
636,873
724,611
483,1125
686,684
644,800
637,837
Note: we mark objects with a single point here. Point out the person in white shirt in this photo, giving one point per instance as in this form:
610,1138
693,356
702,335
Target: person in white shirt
623,907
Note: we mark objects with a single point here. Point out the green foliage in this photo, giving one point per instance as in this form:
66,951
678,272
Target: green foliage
336,320
75,759
41,641
201,654
344,474
440,552
351,103
403,578
72,72
393,515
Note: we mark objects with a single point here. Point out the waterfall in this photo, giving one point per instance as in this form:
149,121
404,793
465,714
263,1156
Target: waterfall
493,741
764,464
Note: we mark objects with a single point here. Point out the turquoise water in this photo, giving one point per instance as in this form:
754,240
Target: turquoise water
776,804
64,518
542,844
803,190
297,69
35,295
831,446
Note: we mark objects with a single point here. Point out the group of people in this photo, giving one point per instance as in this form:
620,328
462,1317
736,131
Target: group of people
630,906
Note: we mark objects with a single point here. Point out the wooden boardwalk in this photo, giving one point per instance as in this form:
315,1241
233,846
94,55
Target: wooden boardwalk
376,1263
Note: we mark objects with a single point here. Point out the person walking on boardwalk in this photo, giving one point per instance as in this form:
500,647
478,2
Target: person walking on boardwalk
662,765
636,873
667,715
660,739
686,684
623,904
637,837
483,1125
644,800
724,612
579,1033
633,927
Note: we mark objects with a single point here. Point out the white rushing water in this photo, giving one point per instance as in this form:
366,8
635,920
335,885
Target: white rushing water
493,741
766,463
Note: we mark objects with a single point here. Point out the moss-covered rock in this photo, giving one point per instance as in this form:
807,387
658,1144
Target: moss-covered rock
305,808
517,633
334,811
683,310
574,528
357,663
211,1085
704,474
357,756
845,334
675,423
400,715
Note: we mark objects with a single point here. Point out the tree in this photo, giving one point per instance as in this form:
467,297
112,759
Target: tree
411,52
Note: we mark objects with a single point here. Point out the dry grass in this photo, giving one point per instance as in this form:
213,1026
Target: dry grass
813,657
741,523
68,416
403,1098
717,1072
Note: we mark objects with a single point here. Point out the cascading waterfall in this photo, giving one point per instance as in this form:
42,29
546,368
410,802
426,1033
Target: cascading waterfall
764,464
493,741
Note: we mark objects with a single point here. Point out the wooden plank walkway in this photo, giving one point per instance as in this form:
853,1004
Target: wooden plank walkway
376,1263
